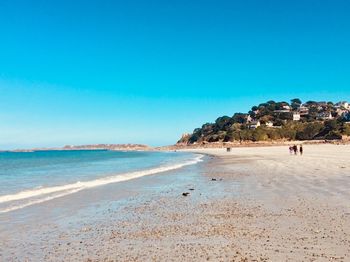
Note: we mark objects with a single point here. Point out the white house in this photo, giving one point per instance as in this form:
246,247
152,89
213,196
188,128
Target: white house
249,119
325,116
341,111
296,116
342,104
303,110
254,124
286,107
269,124
282,111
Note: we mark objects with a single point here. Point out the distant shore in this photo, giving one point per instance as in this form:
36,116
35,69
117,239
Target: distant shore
179,146
121,147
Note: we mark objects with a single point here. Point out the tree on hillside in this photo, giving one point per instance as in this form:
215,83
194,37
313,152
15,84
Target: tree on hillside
239,118
207,129
259,134
313,111
331,124
271,105
311,103
279,106
262,105
222,123
309,131
345,129
295,103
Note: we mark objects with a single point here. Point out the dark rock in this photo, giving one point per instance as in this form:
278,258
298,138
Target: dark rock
185,194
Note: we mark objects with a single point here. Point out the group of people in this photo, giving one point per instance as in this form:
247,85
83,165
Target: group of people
294,149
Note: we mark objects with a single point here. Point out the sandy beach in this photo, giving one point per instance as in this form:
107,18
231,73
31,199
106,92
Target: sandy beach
251,204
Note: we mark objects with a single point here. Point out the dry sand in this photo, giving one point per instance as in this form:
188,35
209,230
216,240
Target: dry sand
264,205
297,207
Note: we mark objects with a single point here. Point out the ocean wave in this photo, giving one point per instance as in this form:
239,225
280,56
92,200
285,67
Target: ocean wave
37,201
49,193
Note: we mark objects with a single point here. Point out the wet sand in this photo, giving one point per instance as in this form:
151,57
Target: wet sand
263,205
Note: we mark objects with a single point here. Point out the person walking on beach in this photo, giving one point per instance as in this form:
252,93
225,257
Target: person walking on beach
290,150
295,149
301,150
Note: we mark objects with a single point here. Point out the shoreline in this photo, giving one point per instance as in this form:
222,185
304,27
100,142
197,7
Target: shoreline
146,148
264,204
30,233
33,196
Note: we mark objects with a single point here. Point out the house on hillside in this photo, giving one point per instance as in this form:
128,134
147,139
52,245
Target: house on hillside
254,124
249,118
296,116
269,124
303,110
342,104
281,111
325,116
286,107
341,111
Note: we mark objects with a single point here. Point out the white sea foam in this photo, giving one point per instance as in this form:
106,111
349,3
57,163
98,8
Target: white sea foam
49,193
38,201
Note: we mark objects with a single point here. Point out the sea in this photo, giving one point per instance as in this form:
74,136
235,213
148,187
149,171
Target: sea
29,178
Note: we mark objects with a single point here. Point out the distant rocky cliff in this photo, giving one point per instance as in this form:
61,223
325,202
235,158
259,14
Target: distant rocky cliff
124,147
108,147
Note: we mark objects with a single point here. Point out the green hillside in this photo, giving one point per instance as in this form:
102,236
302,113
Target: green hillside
276,121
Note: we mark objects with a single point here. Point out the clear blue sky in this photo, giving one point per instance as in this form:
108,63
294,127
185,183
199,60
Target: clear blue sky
76,72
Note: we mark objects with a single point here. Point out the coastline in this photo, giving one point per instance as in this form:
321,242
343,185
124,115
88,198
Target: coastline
181,146
264,204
